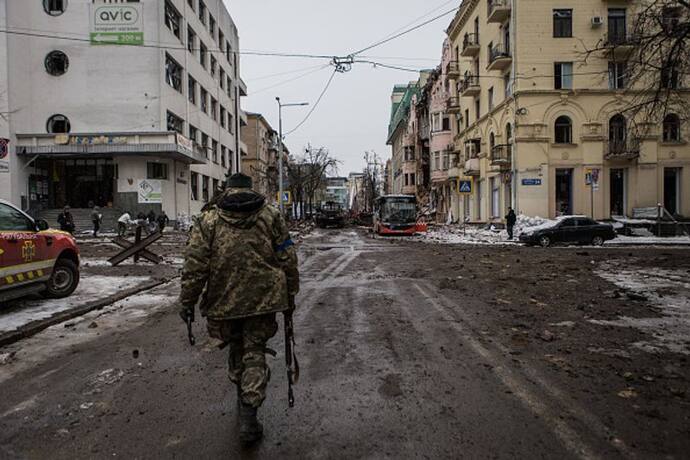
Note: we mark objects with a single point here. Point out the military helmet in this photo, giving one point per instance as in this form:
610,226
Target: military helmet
239,180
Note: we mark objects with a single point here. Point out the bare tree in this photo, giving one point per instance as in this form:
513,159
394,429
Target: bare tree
372,179
650,60
307,175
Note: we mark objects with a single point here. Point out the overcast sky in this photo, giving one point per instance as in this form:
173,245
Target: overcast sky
353,115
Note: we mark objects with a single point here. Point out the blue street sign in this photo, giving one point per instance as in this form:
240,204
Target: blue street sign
528,182
465,186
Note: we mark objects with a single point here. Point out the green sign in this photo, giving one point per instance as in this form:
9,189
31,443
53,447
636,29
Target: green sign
117,38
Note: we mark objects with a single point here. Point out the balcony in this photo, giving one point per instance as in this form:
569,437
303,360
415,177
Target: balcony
470,45
453,105
469,86
455,171
409,140
409,155
619,46
502,155
498,11
472,167
453,70
623,149
500,58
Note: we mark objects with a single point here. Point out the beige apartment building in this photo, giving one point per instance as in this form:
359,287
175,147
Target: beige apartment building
538,129
261,160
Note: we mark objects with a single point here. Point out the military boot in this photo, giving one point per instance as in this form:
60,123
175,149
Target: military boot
251,430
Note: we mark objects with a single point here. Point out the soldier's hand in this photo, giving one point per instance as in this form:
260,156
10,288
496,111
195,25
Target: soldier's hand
187,312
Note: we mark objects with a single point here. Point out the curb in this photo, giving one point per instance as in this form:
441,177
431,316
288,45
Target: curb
35,327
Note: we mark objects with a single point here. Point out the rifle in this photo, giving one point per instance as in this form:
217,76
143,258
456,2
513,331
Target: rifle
189,317
290,357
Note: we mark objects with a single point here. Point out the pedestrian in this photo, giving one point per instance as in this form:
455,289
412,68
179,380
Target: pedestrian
151,218
241,262
123,224
511,219
96,218
66,220
162,221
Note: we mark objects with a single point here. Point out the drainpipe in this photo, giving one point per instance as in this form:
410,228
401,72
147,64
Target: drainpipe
513,39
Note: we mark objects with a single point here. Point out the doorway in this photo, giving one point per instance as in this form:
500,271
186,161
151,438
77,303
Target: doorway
672,190
618,188
564,192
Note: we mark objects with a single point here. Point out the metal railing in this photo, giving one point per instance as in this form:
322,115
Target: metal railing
467,82
499,51
471,39
453,67
623,148
493,4
502,154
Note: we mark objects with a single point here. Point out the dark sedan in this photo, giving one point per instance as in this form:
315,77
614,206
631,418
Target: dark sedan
569,230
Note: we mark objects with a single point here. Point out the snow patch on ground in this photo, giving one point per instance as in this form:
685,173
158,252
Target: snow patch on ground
669,332
448,234
91,288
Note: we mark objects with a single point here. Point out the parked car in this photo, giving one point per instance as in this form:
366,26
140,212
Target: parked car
34,258
331,214
568,230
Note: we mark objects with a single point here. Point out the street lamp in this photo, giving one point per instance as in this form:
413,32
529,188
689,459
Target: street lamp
280,148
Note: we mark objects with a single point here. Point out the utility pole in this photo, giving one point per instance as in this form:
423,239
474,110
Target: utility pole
280,150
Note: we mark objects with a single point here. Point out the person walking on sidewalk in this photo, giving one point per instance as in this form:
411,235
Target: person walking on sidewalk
511,219
162,221
241,262
66,220
123,224
96,219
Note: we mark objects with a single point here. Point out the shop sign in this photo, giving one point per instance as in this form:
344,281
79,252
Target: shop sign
4,166
117,24
97,140
184,142
150,191
531,182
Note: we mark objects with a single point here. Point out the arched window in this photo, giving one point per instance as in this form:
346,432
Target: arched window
671,128
618,129
563,130
58,124
492,142
509,134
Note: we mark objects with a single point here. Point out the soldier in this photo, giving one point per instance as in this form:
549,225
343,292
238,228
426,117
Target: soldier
241,261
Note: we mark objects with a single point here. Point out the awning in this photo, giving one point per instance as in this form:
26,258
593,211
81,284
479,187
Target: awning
83,151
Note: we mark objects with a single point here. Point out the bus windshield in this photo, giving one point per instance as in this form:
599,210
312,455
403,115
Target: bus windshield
398,210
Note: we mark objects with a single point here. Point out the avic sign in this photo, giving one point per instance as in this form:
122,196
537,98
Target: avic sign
116,15
117,24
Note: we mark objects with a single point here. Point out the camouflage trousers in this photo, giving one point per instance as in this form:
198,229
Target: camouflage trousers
247,366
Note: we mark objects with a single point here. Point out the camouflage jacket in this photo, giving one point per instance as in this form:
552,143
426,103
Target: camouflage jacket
240,259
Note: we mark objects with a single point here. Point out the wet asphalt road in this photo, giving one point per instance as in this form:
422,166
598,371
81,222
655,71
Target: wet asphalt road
390,369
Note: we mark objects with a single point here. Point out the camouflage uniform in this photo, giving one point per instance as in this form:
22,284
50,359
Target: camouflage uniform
241,263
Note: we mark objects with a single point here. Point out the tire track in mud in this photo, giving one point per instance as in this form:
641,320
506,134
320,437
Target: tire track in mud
533,390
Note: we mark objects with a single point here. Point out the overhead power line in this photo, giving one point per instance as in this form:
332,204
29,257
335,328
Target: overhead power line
316,104
290,80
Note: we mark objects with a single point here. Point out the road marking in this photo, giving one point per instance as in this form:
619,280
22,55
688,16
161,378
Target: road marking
568,435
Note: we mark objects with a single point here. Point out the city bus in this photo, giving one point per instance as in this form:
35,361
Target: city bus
395,215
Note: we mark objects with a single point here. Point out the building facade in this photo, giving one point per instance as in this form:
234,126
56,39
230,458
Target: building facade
539,129
148,118
261,159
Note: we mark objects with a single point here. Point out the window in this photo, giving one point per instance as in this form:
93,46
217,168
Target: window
214,66
445,125
467,118
509,134
214,151
491,99
191,40
477,107
229,82
191,89
58,124
203,98
671,128
175,123
191,4
495,197
214,109
204,188
436,122
56,63
55,7
222,78
193,134
221,41
669,77
618,129
563,130
223,161
205,143
231,123
203,54
202,12
157,171
670,18
412,179
562,23
12,219
231,158
507,87
223,116
563,75
212,26
194,184
228,52
215,186
617,27
173,73
173,19
617,75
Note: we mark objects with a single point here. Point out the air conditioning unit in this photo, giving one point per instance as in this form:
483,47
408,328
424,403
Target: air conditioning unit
597,21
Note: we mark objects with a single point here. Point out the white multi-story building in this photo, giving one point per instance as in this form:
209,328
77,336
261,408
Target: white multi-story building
126,104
